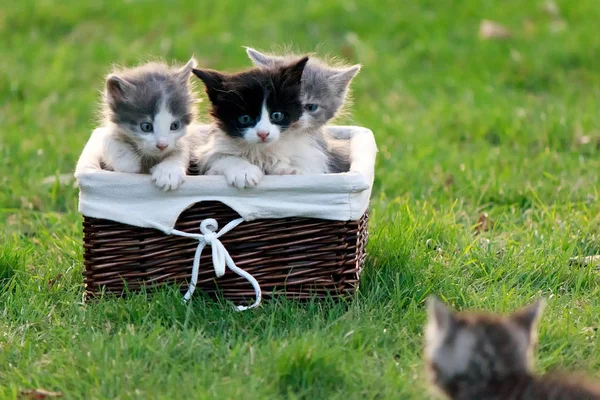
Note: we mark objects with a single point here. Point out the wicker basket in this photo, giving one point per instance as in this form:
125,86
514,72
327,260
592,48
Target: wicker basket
274,233
300,257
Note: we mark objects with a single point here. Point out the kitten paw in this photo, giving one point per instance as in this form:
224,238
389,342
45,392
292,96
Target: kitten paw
244,177
285,170
168,176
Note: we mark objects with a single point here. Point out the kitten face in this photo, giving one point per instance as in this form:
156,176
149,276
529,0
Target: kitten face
324,88
151,104
479,346
257,105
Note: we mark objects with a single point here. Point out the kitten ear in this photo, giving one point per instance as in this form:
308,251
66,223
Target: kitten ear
184,73
116,88
439,313
293,72
259,59
341,77
192,63
528,317
213,81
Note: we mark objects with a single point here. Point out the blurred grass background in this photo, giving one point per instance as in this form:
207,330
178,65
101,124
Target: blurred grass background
465,125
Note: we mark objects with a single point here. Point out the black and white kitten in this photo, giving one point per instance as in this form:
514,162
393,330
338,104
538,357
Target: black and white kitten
257,115
147,111
323,94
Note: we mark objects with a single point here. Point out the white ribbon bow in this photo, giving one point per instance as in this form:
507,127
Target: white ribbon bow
220,256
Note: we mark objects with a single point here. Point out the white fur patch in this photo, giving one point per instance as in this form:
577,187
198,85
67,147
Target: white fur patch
264,125
118,155
238,172
168,175
296,152
162,128
296,149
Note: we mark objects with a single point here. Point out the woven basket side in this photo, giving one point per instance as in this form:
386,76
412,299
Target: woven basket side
301,257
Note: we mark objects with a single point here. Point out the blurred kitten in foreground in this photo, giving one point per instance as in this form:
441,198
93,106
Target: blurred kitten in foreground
489,356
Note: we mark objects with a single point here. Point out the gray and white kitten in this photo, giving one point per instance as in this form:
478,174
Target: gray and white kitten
147,112
323,92
485,356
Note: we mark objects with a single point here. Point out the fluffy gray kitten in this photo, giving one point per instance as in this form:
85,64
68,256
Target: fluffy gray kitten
147,112
323,93
486,356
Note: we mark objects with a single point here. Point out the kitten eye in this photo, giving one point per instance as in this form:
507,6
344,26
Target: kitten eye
174,126
311,107
146,126
277,116
245,119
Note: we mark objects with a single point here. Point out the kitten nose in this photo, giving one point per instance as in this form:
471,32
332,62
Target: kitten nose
262,135
162,146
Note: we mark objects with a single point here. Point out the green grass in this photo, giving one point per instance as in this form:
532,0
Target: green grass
464,126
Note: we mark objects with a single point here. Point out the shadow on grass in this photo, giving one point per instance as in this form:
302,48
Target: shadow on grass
308,373
215,317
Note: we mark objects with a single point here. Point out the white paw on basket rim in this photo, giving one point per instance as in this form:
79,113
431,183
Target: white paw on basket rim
220,256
